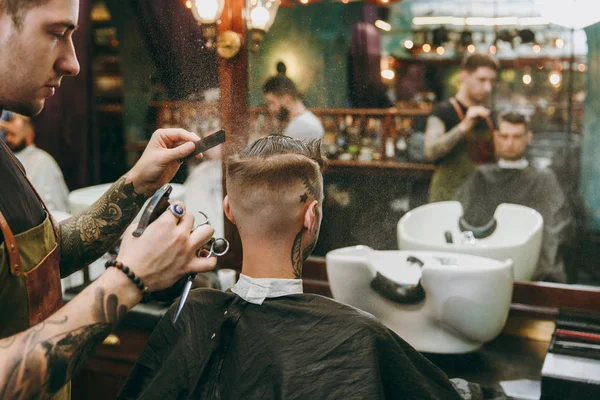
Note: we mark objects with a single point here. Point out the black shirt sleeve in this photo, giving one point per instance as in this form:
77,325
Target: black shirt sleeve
18,202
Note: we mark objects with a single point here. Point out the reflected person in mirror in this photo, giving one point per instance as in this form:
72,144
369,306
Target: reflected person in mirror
41,169
458,135
285,105
266,338
513,180
41,344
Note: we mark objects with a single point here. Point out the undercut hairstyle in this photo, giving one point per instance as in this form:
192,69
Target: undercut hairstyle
18,8
515,118
269,179
480,60
281,85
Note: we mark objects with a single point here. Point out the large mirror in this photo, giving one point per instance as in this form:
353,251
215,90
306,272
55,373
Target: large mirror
373,73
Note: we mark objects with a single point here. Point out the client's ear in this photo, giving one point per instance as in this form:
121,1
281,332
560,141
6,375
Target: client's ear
227,210
310,216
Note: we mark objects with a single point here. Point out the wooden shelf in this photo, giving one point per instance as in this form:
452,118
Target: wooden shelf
379,168
371,112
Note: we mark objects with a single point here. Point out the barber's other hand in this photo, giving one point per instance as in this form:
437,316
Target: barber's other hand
166,251
160,160
473,114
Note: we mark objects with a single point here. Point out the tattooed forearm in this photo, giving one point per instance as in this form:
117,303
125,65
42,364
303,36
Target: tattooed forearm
438,143
40,361
86,236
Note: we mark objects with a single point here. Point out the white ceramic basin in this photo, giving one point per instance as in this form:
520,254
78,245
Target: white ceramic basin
518,234
467,298
81,199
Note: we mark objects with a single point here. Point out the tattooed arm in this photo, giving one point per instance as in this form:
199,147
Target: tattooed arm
438,142
87,236
38,362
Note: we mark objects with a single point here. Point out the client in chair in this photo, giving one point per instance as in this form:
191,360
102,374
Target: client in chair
266,339
513,180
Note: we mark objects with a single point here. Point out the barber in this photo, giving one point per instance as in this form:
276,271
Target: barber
41,344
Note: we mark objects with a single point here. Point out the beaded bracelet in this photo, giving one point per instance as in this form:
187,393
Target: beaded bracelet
127,271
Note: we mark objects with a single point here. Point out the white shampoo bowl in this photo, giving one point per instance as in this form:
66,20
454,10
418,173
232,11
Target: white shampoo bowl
467,298
518,234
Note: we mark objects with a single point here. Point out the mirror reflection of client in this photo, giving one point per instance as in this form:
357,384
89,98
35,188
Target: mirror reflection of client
266,339
285,104
42,170
513,180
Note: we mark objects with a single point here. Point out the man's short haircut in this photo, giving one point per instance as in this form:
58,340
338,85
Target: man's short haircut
269,178
17,8
515,118
281,85
479,60
276,161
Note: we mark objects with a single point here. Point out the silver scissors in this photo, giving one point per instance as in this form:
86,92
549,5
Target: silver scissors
214,247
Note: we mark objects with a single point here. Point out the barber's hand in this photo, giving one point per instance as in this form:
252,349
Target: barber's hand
473,114
166,251
161,159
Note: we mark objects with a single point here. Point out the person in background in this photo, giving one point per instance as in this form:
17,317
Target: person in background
43,344
458,135
42,170
285,105
266,339
513,180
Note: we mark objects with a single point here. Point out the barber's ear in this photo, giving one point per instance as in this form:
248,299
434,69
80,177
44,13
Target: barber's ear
227,210
310,216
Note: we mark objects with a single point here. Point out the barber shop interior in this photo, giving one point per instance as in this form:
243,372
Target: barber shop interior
387,199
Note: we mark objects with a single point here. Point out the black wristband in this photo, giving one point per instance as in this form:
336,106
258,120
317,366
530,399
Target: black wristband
127,271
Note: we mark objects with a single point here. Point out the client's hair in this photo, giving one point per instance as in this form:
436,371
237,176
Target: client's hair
268,180
280,85
515,118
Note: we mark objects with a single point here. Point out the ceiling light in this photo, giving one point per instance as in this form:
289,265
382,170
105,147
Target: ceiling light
471,48
555,78
527,79
440,50
409,44
384,26
536,48
388,74
426,48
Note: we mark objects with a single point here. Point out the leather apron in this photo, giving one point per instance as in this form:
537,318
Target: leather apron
30,287
453,169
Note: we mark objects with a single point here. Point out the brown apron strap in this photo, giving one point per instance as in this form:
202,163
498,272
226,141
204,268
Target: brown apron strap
14,160
457,108
490,124
14,258
461,114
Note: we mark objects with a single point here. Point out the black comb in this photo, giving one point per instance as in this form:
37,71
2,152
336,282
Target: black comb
212,140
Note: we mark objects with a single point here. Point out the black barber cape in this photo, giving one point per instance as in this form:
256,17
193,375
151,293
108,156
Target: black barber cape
301,346
489,186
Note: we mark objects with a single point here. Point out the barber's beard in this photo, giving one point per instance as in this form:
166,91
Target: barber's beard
283,114
17,147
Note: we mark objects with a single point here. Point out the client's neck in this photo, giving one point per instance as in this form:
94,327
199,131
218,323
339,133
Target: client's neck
267,259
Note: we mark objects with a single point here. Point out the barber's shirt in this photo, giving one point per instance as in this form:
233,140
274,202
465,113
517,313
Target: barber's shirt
256,290
46,177
18,202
